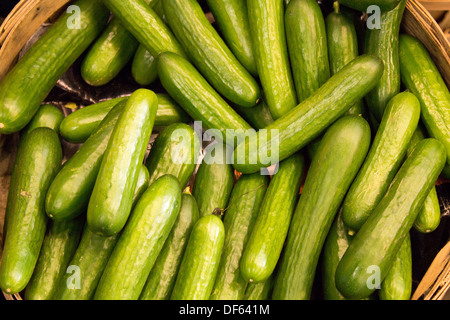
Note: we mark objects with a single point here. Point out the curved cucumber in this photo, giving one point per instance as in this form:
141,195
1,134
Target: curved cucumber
339,157
363,5
143,67
141,241
111,199
198,269
38,160
24,88
259,116
47,116
375,245
265,243
245,201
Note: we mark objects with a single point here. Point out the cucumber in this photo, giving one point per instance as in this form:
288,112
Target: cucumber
209,53
259,291
385,157
420,75
363,5
339,157
214,181
25,86
232,19
142,183
398,282
241,214
198,269
111,199
175,151
194,94
47,116
38,160
383,43
258,117
141,241
143,67
162,277
307,43
60,243
69,192
266,240
267,28
369,257
311,117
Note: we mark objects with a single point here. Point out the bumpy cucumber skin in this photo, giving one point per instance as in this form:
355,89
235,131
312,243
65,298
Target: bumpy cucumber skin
111,198
38,160
385,157
162,277
383,43
328,179
198,269
381,236
259,291
266,20
24,88
265,243
420,75
363,5
47,116
142,183
68,194
141,241
143,67
60,243
240,216
175,151
311,117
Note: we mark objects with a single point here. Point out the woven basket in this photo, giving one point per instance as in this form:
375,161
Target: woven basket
29,15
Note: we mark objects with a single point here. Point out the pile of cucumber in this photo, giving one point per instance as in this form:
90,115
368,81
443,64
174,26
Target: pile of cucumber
362,133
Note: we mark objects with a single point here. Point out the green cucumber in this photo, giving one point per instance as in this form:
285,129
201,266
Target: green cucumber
369,257
385,157
232,20
38,160
310,118
398,282
241,214
69,192
258,117
265,243
141,241
198,269
420,75
267,28
24,88
162,277
383,43
47,116
339,157
141,184
175,151
195,95
209,53
259,291
363,5
111,199
60,243
143,67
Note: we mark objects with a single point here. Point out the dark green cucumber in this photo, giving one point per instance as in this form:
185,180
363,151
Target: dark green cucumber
142,183
194,94
209,53
24,88
258,117
385,157
198,269
60,243
339,157
214,180
398,282
141,241
383,43
47,116
259,291
143,67
267,28
266,240
69,192
241,214
374,247
175,151
420,75
162,277
111,199
232,20
38,160
310,118
363,5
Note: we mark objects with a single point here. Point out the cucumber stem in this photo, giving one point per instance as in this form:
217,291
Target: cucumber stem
336,7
